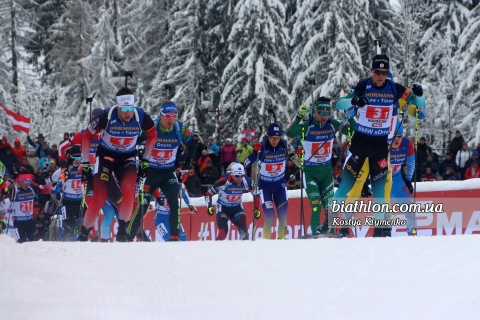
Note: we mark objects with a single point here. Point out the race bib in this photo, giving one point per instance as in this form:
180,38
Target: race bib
377,112
121,142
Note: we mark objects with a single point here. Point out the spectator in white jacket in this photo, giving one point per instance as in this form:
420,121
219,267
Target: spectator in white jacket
462,157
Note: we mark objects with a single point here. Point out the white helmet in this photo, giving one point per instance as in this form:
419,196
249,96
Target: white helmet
229,169
238,169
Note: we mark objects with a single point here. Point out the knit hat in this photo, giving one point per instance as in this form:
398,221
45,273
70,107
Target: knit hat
168,107
474,153
274,130
381,61
323,104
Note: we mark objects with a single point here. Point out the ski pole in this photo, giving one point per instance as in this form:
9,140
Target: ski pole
255,198
204,227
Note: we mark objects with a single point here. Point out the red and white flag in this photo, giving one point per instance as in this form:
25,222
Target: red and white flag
20,123
248,134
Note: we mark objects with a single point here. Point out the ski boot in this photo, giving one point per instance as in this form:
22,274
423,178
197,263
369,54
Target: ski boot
174,236
378,232
122,230
412,231
387,232
323,228
83,234
345,232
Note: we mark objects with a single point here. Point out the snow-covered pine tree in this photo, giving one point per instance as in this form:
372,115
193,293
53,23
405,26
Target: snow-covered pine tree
72,42
179,64
256,77
218,22
325,48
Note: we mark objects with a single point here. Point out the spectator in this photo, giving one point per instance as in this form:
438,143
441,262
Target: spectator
423,150
448,162
200,146
25,166
478,148
473,158
429,164
33,160
45,161
209,174
244,150
472,172
462,157
456,144
54,153
292,184
19,151
228,154
449,173
428,176
213,150
202,162
290,169
37,144
9,160
53,167
193,184
42,182
3,146
44,150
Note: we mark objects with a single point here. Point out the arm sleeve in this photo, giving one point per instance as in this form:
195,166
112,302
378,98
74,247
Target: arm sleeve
345,102
151,139
94,128
250,160
297,159
217,187
30,142
185,196
142,137
410,161
295,128
192,149
156,194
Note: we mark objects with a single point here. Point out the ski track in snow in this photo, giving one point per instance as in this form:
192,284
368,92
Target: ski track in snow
387,278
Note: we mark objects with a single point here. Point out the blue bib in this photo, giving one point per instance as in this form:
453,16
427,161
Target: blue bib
397,157
164,153
119,137
231,195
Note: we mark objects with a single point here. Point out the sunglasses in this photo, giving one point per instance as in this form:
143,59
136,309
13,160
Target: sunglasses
320,113
398,136
170,116
274,138
77,159
382,73
238,175
128,108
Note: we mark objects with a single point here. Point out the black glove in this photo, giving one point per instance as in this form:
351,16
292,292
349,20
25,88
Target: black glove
409,186
86,171
5,192
14,176
417,90
161,201
143,169
359,101
46,174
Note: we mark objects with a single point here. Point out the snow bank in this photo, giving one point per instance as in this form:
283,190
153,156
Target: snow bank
392,278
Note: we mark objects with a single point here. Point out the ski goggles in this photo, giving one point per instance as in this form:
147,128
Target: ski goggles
398,136
323,113
274,138
170,116
77,159
238,175
127,108
381,73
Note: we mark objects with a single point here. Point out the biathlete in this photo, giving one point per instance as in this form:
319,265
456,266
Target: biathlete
169,134
373,101
273,154
121,125
230,189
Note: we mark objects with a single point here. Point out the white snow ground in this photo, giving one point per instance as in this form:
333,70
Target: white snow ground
393,278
